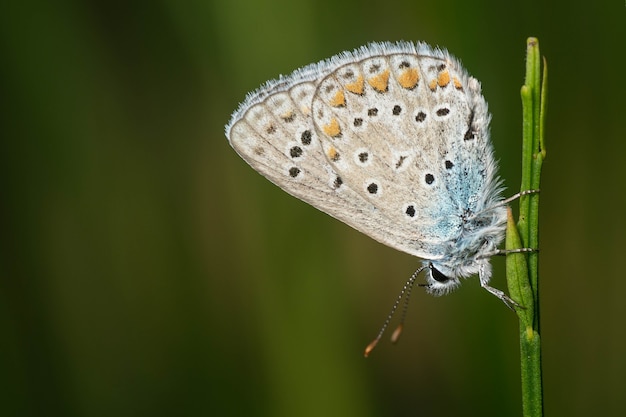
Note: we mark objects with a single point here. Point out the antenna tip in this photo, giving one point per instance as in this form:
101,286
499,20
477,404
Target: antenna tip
396,333
370,347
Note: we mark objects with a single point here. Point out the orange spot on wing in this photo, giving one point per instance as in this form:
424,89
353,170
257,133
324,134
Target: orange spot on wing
409,78
457,83
444,78
380,81
288,116
332,129
339,100
357,86
332,154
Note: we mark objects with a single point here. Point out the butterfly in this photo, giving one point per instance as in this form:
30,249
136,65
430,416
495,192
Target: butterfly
393,140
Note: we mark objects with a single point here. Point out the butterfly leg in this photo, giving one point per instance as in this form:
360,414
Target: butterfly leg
484,275
504,252
508,200
518,195
508,301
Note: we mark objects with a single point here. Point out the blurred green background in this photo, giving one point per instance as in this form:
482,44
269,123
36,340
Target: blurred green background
147,270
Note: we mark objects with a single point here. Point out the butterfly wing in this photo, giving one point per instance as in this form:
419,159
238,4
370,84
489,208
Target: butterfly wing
409,133
391,139
276,136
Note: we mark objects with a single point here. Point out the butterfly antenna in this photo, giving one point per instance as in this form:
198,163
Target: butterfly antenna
395,336
404,294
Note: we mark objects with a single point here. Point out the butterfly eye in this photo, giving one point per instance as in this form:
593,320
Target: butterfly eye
438,276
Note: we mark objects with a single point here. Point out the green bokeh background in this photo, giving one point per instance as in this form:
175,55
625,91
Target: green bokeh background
147,270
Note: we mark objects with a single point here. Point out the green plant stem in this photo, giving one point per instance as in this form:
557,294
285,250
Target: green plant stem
522,268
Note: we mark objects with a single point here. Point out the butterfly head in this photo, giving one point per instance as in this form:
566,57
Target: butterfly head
441,278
